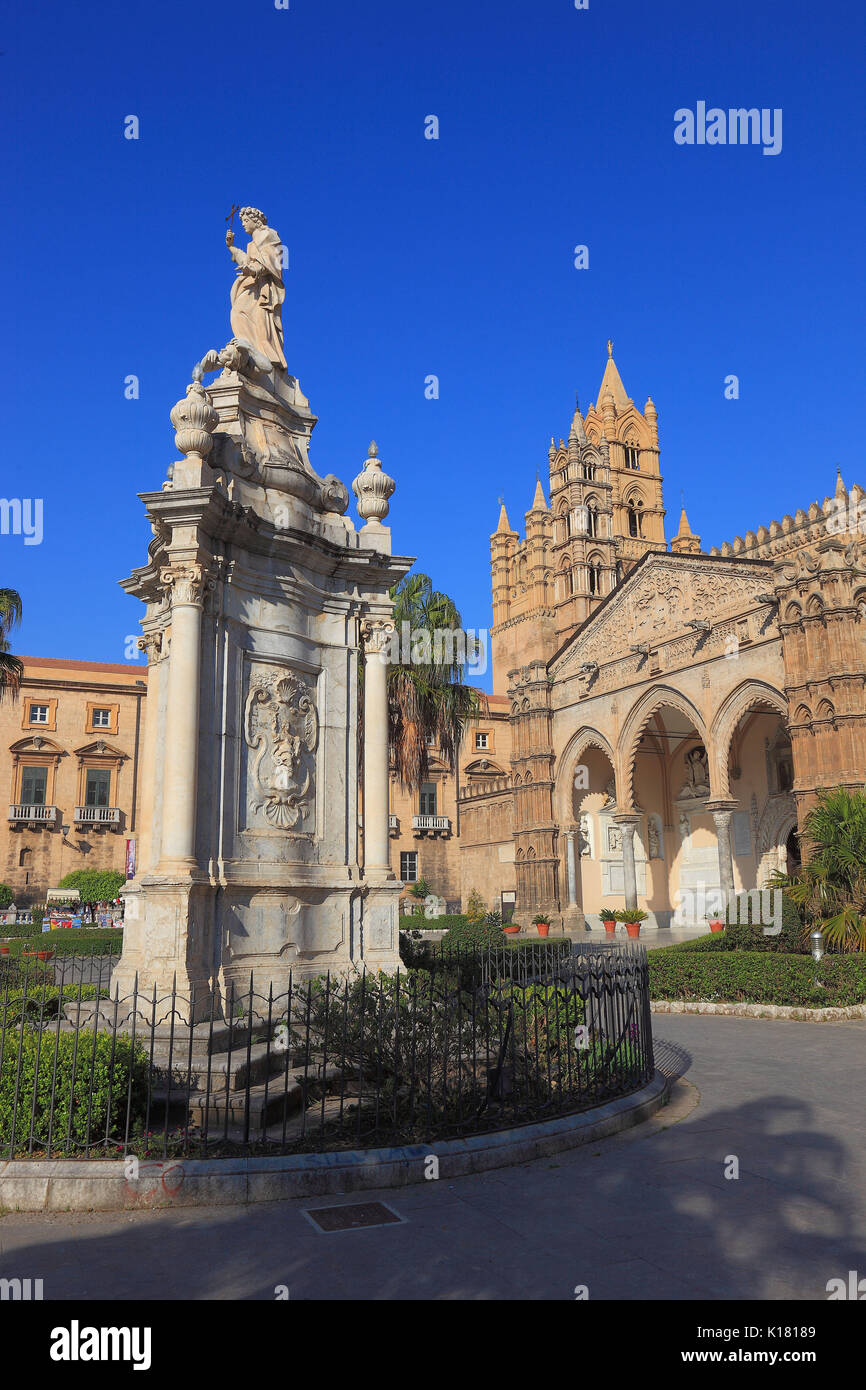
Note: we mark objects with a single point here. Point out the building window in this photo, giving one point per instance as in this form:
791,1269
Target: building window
592,517
589,471
97,787
430,740
594,577
635,517
34,785
38,714
632,457
100,718
482,741
409,866
427,799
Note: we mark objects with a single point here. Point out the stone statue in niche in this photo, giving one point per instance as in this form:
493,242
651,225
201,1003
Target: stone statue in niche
281,729
258,292
610,794
685,829
698,779
653,839
614,839
583,838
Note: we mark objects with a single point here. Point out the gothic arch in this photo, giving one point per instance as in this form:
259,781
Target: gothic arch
779,818
728,716
568,760
640,715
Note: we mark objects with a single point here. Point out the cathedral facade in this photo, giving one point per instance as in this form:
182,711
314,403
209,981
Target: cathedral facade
672,713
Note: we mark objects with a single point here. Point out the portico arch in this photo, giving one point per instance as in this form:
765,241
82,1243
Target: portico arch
751,695
651,703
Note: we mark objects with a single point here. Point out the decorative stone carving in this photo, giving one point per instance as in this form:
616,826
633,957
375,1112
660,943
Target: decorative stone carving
372,488
657,605
151,645
194,420
186,583
281,728
376,635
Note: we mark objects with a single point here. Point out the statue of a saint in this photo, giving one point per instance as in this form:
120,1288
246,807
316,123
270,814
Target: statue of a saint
258,292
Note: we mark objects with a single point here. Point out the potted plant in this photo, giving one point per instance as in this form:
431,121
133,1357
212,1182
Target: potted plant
542,923
609,918
512,928
716,924
632,917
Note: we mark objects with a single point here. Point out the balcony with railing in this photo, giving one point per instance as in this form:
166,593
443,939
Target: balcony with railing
98,817
431,825
31,814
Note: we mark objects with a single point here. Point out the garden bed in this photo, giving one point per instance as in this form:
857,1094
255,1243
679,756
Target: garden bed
697,972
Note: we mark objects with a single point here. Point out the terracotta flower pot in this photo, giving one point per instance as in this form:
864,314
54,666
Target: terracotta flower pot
4,951
717,926
633,928
45,955
511,930
543,928
609,925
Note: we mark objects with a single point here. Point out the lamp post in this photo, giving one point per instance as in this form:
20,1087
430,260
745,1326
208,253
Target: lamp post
816,941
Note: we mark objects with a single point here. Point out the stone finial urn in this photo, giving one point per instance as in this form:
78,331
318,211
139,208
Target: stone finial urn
194,419
372,488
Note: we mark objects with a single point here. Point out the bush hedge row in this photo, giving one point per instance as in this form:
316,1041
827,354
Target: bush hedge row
714,974
411,922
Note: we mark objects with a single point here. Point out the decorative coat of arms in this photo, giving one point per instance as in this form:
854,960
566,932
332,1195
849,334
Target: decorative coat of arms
281,728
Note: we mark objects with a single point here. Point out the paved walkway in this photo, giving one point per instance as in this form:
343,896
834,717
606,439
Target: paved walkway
648,1215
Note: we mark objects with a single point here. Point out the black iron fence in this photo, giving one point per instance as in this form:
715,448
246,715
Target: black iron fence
471,1042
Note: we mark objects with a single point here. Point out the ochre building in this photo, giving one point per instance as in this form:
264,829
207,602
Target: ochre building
72,754
664,716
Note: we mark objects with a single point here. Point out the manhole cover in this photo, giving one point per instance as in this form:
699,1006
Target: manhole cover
351,1218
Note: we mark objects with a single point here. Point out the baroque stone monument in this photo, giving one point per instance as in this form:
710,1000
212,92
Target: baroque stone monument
261,599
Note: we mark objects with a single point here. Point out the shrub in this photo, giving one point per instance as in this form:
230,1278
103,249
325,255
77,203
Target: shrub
752,978
475,908
95,885
39,1002
6,896
475,936
71,1089
831,885
749,935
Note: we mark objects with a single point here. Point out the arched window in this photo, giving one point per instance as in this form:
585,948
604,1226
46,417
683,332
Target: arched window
589,470
594,569
632,456
592,517
635,517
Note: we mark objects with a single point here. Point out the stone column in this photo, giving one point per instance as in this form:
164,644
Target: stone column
146,850
627,825
377,643
722,816
571,868
186,582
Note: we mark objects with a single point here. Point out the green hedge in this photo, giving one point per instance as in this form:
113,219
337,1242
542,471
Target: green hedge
72,941
752,977
71,1087
409,922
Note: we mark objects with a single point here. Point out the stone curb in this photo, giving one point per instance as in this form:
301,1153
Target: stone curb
731,1010
103,1184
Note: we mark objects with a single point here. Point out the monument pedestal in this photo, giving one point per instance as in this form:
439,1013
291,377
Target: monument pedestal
261,600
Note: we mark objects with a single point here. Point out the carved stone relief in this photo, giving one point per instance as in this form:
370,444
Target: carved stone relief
281,727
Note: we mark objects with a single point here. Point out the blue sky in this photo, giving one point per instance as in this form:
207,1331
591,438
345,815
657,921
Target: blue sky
411,256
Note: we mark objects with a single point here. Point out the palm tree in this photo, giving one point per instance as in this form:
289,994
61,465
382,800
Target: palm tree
11,669
426,694
831,885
